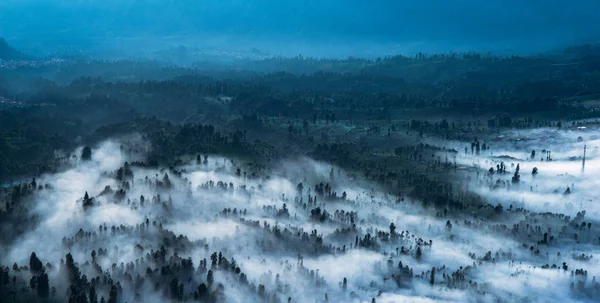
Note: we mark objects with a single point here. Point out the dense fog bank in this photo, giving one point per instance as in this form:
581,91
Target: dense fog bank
215,229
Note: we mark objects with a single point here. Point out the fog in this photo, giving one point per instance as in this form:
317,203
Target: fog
258,218
313,28
195,151
544,191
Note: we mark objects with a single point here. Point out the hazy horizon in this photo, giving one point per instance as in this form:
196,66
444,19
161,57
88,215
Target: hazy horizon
313,28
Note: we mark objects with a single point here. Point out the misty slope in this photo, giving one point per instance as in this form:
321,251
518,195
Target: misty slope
214,229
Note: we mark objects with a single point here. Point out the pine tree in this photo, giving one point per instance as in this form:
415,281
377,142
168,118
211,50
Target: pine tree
35,265
112,296
43,286
93,295
209,278
86,154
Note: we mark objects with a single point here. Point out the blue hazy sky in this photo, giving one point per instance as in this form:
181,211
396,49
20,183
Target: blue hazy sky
293,26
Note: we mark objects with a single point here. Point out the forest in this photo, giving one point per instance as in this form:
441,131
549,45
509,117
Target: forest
432,177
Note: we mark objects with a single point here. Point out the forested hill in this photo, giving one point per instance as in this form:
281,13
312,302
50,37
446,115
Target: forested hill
47,107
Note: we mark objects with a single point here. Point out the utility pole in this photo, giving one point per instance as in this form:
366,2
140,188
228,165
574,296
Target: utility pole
583,162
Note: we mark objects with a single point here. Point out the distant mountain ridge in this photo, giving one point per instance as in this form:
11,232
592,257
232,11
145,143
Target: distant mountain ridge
7,52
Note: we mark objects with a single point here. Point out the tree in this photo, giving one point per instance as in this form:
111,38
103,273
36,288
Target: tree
299,188
75,296
202,291
419,253
209,278
498,209
43,286
120,174
112,296
33,284
516,177
86,154
93,295
35,265
432,277
166,181
175,288
87,201
72,270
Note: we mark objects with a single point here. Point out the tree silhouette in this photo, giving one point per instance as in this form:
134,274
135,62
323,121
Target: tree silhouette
43,286
112,296
86,154
35,265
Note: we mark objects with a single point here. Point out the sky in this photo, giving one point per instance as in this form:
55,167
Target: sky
286,26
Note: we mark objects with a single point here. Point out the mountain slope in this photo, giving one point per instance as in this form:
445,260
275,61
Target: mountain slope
7,52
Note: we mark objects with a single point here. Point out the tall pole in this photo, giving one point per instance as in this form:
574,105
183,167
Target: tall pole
583,162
